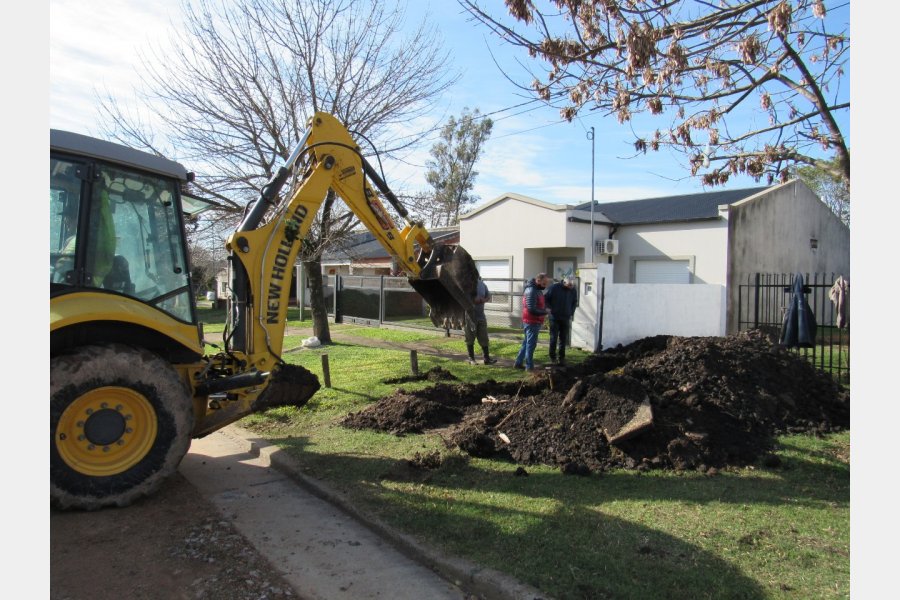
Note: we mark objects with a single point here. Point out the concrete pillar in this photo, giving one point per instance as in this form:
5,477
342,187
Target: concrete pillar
586,325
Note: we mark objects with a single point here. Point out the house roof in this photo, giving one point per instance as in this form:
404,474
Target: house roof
520,198
359,245
687,207
362,245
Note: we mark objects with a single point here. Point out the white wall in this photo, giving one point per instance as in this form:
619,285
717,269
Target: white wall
704,242
510,227
579,234
635,311
632,311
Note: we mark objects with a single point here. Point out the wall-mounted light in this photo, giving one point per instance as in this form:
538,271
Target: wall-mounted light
813,243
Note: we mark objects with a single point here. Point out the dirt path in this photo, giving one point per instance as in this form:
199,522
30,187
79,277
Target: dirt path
173,545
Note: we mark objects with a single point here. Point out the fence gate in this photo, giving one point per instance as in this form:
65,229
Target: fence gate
763,302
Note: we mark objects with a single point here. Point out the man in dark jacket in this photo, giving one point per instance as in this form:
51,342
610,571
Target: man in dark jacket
533,314
562,298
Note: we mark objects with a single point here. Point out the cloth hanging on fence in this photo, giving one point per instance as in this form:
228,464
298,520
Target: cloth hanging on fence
799,327
840,297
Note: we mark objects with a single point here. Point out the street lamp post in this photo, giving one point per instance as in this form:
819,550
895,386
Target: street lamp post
590,136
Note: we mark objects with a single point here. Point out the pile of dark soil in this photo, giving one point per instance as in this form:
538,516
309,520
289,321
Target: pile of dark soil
432,374
716,402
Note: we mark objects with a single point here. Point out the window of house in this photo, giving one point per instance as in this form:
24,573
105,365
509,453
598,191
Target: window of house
560,268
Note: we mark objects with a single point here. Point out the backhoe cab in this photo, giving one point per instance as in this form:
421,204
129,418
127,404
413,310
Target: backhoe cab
131,381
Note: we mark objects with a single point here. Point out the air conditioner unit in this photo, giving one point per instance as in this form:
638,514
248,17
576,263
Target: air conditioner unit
608,247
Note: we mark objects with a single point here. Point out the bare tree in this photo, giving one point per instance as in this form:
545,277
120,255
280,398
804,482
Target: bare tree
234,90
705,65
206,263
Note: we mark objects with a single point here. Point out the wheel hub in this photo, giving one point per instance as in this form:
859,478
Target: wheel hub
106,431
104,427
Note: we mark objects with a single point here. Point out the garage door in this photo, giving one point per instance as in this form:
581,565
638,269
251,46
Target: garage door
494,269
662,271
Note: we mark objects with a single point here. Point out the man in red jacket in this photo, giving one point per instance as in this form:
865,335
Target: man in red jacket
533,315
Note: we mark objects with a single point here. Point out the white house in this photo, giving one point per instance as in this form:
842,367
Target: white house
715,239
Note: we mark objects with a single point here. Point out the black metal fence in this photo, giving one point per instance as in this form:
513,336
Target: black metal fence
764,300
380,299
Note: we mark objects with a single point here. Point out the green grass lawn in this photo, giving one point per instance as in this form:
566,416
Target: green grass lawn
747,533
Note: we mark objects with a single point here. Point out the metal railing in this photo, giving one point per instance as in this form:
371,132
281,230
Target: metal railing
763,302
381,299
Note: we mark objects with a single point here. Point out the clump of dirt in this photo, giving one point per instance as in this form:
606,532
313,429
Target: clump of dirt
716,402
433,374
290,385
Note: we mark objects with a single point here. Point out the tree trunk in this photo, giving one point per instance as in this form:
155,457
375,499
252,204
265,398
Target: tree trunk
313,270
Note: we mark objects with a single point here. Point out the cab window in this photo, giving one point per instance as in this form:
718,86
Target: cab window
129,241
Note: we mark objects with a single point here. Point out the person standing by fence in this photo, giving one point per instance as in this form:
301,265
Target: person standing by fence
561,298
476,325
533,314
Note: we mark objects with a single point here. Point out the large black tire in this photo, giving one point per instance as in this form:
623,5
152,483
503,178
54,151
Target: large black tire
120,423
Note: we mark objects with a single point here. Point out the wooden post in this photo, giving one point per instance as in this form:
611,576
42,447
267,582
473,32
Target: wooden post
381,300
325,371
414,362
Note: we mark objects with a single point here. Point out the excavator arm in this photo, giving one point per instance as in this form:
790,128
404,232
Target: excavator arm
262,255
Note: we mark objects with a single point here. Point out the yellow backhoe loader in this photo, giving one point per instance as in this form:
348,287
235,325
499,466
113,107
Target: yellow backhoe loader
131,381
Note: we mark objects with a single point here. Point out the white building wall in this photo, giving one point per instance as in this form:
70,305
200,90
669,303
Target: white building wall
634,311
579,236
514,229
704,243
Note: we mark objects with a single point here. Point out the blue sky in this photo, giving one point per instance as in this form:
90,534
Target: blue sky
531,151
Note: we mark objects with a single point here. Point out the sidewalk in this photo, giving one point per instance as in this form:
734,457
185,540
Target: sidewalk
432,574
323,545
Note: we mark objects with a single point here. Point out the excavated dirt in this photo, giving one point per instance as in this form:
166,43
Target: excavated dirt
291,385
433,374
716,403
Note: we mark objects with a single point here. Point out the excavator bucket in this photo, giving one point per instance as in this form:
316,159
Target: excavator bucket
290,385
447,282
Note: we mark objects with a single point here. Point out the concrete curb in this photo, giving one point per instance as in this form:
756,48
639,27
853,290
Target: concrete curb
483,582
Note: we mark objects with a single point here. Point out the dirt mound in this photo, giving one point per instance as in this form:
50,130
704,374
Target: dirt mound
716,402
432,374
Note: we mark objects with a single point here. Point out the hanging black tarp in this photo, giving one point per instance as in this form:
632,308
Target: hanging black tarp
799,327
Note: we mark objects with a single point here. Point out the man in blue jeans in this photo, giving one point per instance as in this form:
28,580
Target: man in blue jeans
561,299
533,314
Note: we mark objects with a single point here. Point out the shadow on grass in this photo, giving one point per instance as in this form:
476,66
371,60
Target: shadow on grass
575,549
797,482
